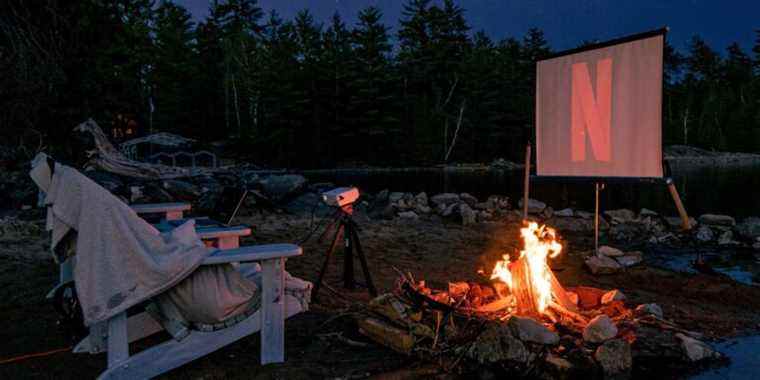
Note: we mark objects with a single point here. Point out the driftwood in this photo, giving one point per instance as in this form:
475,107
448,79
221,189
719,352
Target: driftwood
110,159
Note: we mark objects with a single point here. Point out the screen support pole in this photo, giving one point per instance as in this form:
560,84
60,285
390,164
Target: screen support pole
526,187
685,225
598,187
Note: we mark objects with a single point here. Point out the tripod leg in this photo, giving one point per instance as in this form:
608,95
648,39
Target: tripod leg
363,260
348,258
323,271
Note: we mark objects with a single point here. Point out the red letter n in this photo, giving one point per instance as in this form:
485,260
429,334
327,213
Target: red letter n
592,112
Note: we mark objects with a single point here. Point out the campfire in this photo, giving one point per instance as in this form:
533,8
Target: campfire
520,314
532,284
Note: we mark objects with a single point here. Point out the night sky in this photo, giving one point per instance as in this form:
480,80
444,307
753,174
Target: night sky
565,22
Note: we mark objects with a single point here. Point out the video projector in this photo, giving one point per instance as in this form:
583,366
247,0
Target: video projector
340,196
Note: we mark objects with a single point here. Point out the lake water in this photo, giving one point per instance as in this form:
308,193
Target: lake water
745,360
729,191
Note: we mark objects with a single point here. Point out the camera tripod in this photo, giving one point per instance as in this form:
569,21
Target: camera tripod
345,227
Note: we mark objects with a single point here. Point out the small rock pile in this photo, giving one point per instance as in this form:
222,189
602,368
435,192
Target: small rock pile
463,207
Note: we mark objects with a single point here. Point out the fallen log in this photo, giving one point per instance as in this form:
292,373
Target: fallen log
386,335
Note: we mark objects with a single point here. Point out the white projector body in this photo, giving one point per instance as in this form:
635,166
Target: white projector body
341,196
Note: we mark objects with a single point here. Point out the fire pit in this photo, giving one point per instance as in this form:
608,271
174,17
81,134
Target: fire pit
520,320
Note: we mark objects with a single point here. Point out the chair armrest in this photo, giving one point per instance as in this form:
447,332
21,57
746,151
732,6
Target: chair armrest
150,208
220,232
253,253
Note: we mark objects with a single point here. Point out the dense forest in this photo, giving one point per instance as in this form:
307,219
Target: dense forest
302,93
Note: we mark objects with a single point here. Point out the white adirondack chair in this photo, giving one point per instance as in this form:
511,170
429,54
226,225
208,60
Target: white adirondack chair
115,335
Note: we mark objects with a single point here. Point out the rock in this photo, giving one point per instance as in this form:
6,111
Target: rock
469,199
620,216
571,224
647,212
602,265
534,206
449,210
481,206
695,350
608,251
628,232
612,295
484,216
558,368
389,212
395,196
727,238
182,190
717,220
421,199
599,329
614,356
548,212
564,212
704,234
584,214
305,203
529,330
675,222
420,209
648,309
279,187
630,259
408,215
468,215
497,202
444,199
749,228
496,344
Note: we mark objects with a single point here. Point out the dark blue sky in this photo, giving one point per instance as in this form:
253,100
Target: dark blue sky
565,22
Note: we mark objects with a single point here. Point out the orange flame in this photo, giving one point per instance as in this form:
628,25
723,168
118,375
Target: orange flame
540,244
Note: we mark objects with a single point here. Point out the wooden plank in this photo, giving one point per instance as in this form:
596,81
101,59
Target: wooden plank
149,208
253,253
272,312
172,354
219,232
118,344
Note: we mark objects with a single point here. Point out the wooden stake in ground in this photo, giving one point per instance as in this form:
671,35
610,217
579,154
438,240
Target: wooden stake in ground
685,225
527,182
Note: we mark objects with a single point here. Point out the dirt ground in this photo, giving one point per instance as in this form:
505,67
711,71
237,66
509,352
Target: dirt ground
316,347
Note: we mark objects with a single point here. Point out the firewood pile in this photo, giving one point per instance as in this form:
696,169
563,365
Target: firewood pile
478,326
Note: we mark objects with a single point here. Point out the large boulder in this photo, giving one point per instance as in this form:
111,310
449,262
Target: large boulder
648,309
717,220
696,350
614,356
704,234
529,330
469,199
571,224
749,228
445,199
608,251
279,187
602,265
620,216
534,206
630,259
469,217
496,344
599,329
565,212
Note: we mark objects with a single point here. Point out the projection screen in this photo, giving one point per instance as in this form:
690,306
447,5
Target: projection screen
598,110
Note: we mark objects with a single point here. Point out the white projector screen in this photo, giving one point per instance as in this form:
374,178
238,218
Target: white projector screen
598,110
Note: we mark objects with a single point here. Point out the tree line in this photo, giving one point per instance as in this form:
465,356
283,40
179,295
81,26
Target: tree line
301,93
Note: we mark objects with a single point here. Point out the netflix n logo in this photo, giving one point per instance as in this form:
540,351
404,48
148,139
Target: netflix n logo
591,111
